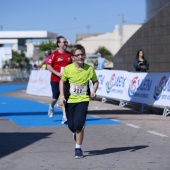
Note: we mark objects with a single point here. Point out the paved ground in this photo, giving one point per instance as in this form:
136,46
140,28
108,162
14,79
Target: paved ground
139,142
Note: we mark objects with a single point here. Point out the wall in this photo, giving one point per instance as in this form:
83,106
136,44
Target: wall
154,38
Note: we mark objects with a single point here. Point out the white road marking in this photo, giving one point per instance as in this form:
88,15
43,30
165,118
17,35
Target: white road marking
40,102
105,118
134,126
98,108
159,134
96,116
115,120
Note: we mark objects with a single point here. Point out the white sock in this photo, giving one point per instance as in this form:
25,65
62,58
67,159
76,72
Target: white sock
78,146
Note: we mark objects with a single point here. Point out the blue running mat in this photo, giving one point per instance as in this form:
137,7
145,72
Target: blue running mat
31,113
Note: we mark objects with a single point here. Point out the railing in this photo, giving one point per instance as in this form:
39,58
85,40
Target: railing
9,75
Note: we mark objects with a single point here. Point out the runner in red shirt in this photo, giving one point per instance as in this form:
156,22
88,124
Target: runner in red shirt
56,63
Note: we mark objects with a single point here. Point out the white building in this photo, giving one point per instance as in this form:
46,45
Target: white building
112,41
18,40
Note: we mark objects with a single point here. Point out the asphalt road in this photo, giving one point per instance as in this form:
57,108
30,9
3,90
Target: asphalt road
140,142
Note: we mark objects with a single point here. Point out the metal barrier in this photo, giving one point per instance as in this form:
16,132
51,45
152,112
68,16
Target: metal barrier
9,75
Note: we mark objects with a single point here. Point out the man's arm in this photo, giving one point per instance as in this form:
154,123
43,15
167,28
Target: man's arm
61,87
51,69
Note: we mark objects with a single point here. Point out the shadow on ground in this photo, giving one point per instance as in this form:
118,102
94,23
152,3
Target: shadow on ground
113,150
12,142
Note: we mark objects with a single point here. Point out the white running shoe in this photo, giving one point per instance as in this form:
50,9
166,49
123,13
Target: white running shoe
64,120
50,112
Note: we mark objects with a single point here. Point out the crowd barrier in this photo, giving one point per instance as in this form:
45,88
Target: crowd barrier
12,75
143,88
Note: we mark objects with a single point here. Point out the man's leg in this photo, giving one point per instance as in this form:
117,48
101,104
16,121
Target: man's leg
66,94
55,93
64,119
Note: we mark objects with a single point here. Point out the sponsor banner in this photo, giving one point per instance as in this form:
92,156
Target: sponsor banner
39,83
111,83
145,88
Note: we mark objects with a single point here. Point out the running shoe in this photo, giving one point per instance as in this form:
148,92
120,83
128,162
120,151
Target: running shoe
64,120
50,112
78,153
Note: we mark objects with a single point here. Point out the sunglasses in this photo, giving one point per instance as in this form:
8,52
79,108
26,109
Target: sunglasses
79,55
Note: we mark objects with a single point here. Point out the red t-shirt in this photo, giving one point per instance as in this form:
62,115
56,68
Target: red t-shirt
58,60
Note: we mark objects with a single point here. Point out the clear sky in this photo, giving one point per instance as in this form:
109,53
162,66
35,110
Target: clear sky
68,17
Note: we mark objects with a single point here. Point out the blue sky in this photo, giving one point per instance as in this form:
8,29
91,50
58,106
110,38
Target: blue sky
68,17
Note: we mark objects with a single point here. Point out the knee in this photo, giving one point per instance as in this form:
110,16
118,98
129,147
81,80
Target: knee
71,127
79,127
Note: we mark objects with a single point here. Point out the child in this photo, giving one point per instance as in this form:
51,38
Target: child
78,74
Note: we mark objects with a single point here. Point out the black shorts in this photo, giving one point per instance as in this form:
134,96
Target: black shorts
56,91
76,115
67,90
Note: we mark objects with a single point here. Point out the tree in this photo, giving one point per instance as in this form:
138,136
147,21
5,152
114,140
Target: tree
19,60
105,51
49,45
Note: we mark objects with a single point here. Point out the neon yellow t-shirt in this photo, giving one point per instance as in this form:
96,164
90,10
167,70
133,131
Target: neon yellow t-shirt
79,81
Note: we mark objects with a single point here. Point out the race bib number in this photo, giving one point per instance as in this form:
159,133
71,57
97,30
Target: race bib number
78,90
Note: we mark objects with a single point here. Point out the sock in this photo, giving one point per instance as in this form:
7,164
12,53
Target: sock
78,146
53,104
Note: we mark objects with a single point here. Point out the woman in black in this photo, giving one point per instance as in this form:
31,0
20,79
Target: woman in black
140,63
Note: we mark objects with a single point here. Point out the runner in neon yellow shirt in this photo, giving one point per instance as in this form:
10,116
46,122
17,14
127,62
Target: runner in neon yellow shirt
78,74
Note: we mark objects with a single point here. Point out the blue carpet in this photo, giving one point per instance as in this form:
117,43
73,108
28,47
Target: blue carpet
8,88
31,113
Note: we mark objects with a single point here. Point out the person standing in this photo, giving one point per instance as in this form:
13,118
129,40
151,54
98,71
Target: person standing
56,63
100,62
140,63
44,63
78,74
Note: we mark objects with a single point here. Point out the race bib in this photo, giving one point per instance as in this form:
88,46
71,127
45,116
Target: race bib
78,90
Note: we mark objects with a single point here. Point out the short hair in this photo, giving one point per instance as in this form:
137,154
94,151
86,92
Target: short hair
77,47
58,39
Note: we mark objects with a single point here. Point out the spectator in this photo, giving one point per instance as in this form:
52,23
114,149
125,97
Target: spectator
99,63
140,63
44,63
